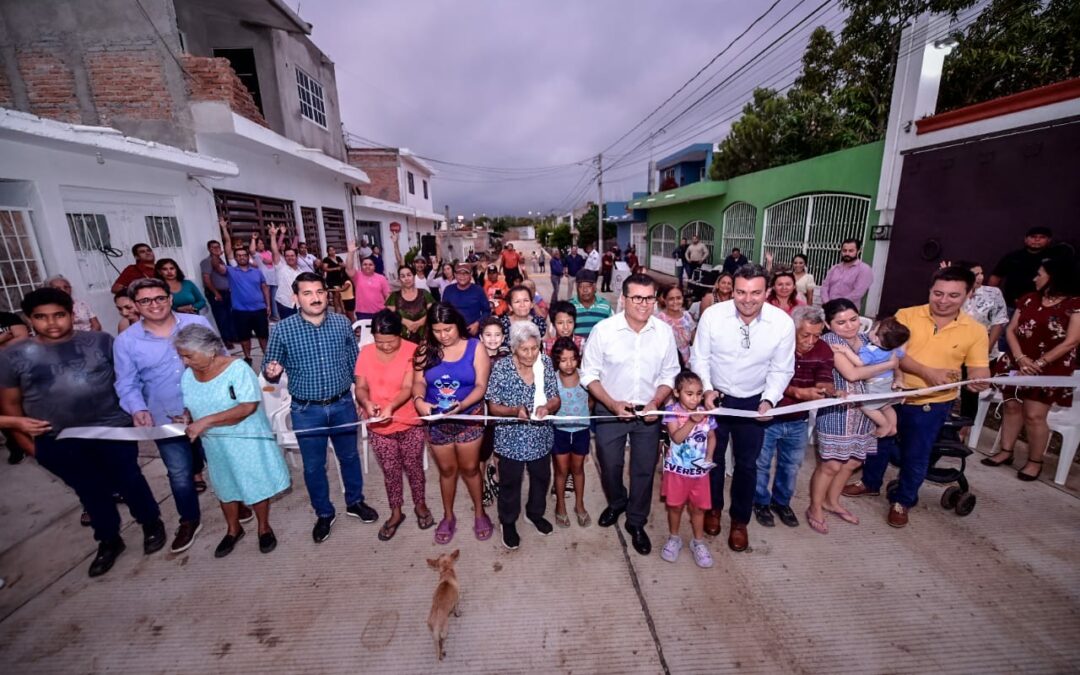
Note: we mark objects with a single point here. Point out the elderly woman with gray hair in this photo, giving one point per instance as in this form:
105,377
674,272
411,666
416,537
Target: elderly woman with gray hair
245,464
786,436
523,387
84,317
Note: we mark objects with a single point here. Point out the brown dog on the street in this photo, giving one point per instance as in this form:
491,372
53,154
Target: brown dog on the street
444,601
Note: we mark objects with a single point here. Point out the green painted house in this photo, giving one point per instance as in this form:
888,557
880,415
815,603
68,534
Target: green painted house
806,207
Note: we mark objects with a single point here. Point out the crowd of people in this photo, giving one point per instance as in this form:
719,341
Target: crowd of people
470,360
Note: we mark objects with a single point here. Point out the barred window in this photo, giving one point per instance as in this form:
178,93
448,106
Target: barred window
311,98
163,231
89,231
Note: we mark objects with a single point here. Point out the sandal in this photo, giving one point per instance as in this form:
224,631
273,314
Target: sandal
425,520
844,515
482,527
989,461
200,486
583,519
389,529
819,526
445,532
562,519
1027,476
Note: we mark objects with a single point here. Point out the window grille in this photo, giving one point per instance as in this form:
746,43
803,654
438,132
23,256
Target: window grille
310,91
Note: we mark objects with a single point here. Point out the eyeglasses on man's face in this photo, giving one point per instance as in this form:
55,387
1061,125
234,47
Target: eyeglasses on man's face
641,299
155,300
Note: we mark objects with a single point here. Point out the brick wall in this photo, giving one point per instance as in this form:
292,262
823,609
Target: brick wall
382,170
128,84
6,98
50,84
213,79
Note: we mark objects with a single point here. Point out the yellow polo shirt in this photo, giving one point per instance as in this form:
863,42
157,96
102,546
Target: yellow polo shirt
962,342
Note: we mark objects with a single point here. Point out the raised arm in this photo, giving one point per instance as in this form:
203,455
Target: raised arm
275,247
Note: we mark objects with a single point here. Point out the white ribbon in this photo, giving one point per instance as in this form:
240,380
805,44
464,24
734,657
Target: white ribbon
171,430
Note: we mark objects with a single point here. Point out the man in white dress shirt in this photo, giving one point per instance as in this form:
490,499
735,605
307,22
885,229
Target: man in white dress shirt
744,351
630,364
592,258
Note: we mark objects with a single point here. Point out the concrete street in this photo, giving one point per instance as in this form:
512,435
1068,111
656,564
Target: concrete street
996,591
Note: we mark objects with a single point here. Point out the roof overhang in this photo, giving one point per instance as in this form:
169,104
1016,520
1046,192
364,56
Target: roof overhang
108,143
374,203
415,159
688,193
214,118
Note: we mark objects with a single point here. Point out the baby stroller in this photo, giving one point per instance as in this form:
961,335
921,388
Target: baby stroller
948,444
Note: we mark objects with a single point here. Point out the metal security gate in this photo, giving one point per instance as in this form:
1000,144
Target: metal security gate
334,228
814,225
662,245
253,214
740,221
705,233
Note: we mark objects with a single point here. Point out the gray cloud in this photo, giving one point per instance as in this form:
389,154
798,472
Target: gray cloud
516,84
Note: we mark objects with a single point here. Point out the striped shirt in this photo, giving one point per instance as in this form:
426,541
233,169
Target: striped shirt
318,359
587,317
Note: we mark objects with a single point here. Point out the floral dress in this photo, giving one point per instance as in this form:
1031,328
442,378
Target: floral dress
1038,330
843,431
683,328
413,310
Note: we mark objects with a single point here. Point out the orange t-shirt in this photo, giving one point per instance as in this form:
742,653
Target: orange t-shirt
384,384
510,259
498,307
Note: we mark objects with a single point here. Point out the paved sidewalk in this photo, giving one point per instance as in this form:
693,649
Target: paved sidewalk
997,590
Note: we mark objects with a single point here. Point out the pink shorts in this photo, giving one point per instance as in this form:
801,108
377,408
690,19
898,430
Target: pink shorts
679,490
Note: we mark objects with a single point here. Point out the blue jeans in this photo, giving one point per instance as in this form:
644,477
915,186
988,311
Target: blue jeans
179,459
313,451
786,440
909,449
222,311
96,469
274,309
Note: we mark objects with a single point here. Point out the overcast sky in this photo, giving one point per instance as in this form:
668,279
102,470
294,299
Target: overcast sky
515,83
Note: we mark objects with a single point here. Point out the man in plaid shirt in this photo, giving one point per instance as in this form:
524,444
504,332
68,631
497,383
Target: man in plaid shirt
317,350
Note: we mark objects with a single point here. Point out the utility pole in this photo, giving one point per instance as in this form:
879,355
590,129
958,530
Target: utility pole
600,206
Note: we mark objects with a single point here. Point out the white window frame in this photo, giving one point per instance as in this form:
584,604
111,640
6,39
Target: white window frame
663,238
312,103
87,237
169,226
20,251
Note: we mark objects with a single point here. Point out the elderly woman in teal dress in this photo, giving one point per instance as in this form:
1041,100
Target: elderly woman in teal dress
223,398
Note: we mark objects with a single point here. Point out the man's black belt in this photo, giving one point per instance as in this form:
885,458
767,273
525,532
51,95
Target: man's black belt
325,401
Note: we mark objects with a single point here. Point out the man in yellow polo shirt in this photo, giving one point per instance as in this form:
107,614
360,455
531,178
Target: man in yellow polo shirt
943,338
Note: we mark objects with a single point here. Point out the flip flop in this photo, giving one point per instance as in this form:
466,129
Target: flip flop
819,526
562,520
583,519
483,528
844,515
424,521
388,530
445,532
200,486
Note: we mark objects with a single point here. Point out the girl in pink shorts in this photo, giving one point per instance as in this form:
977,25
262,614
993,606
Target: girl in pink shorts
686,467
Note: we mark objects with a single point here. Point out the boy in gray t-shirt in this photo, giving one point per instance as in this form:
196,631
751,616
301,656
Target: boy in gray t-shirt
66,378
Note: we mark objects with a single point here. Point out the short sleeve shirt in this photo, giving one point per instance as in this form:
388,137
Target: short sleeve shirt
68,384
246,285
681,456
962,342
220,281
384,384
522,441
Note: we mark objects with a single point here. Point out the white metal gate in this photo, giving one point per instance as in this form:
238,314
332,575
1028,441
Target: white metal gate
814,225
705,233
21,270
662,244
740,221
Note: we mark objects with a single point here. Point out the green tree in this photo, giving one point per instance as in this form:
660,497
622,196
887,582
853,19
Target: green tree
1014,45
586,227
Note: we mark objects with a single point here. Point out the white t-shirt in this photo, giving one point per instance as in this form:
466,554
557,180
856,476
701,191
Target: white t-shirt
286,275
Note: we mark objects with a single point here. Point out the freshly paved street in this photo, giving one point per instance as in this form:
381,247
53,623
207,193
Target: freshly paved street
996,591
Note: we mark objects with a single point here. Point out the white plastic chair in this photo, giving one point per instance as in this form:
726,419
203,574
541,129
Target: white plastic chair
987,398
1065,421
865,324
366,337
277,403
